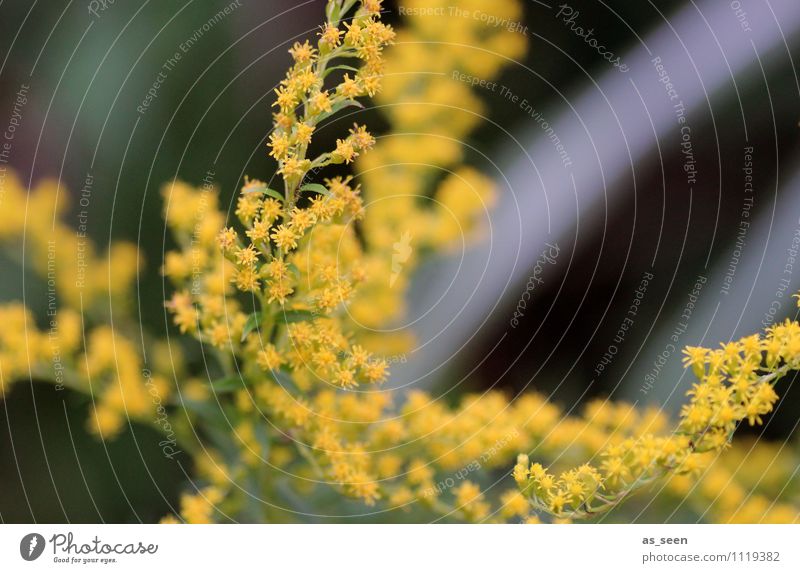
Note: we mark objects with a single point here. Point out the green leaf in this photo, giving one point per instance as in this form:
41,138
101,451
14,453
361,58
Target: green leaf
267,191
290,316
293,267
339,107
274,194
222,442
285,381
209,411
340,67
201,408
227,385
261,432
316,188
214,423
252,322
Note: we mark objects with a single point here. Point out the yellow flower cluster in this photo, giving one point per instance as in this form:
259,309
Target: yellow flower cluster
445,447
198,508
421,195
21,344
298,258
59,253
76,349
736,384
289,297
303,100
740,487
318,287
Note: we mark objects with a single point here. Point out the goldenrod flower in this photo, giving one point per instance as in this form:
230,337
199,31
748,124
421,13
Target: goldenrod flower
293,168
302,53
361,138
285,237
280,145
321,102
345,151
246,279
349,88
286,99
372,6
247,256
303,133
330,35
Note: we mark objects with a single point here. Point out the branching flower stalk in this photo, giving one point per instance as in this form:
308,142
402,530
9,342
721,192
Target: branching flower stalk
299,296
736,384
299,258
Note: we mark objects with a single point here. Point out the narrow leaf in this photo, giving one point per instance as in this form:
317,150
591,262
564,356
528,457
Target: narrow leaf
252,322
267,191
340,67
285,381
293,267
227,385
316,188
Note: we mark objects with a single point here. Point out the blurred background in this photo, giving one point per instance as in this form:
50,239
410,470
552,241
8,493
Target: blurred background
643,206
